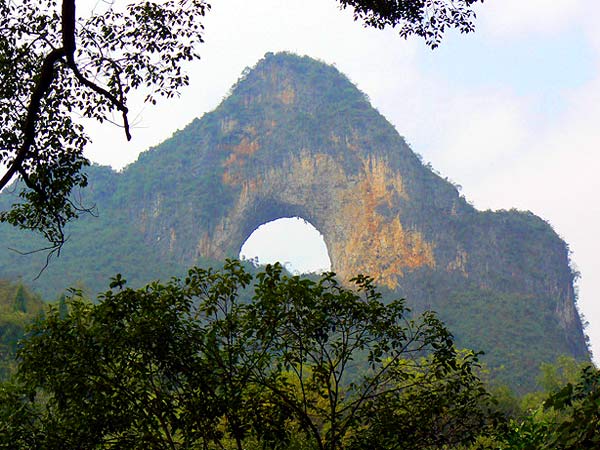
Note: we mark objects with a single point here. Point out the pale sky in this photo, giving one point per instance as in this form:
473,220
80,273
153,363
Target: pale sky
510,112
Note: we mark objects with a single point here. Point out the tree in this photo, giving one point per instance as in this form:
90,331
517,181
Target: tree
351,363
552,377
20,301
565,369
204,363
56,66
581,402
19,418
444,405
568,417
18,307
424,18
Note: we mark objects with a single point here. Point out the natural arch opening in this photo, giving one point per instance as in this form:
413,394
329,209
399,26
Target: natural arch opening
292,241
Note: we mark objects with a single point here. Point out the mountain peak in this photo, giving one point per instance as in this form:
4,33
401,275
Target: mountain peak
298,81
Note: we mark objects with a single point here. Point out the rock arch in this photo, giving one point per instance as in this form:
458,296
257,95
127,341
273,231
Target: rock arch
357,213
296,138
293,241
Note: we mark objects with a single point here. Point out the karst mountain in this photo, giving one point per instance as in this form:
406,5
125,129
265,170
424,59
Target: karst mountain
295,138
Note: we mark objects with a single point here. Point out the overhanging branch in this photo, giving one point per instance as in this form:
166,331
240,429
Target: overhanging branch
42,87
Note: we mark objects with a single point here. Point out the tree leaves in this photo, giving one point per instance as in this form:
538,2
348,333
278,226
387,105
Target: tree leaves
56,67
197,362
428,19
46,82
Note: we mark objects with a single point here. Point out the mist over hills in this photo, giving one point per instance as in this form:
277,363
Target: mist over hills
296,138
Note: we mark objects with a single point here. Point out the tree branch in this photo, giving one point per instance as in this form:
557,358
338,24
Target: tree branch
68,39
42,87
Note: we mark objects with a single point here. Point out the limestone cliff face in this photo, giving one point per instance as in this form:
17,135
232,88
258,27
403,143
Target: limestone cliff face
344,206
296,138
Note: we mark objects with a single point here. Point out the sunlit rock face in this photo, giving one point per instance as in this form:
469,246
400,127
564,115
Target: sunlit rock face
295,138
347,207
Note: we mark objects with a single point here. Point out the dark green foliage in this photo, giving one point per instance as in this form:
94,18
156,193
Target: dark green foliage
98,247
73,72
581,401
189,364
566,418
19,418
20,301
518,330
427,19
226,359
439,410
565,370
43,81
521,330
526,434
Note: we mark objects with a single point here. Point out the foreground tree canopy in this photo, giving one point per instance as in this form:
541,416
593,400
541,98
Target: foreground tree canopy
55,66
220,360
228,360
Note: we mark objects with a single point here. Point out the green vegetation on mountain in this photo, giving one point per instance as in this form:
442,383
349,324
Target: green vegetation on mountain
296,138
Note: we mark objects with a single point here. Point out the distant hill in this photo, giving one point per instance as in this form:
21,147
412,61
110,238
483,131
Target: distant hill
296,138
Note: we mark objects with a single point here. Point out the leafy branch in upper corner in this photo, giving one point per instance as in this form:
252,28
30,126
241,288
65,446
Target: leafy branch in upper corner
428,19
56,67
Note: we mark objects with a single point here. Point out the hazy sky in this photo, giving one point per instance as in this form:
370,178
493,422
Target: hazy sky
511,112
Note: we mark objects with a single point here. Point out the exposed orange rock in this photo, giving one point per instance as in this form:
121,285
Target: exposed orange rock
378,245
232,160
228,178
360,239
236,159
246,147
